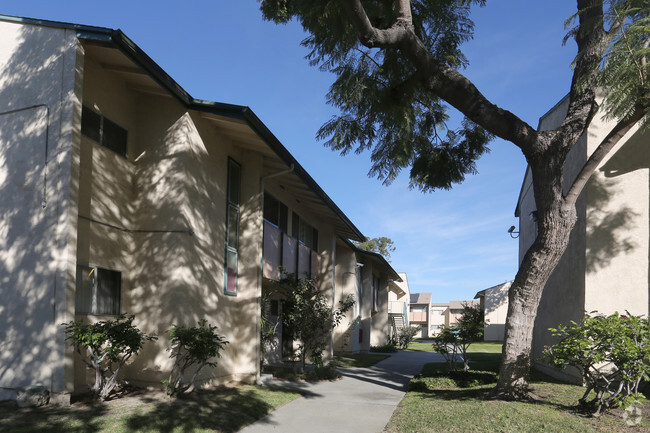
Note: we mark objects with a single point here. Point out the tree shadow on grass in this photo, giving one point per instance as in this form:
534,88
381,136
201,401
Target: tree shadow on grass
222,410
228,410
52,419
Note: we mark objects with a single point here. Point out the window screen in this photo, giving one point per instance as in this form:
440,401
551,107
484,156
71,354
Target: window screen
98,291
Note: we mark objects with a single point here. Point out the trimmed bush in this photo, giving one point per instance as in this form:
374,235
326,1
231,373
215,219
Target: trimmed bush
192,346
105,347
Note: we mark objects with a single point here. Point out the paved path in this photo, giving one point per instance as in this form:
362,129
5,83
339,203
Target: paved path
362,402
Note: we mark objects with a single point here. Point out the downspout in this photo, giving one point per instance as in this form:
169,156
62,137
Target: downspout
260,273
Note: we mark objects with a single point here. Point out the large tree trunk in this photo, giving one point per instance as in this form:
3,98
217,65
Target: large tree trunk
554,227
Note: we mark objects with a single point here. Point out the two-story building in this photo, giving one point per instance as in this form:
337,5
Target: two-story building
419,312
122,193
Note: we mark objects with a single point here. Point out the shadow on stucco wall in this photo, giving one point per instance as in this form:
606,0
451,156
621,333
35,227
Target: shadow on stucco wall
35,118
611,229
177,183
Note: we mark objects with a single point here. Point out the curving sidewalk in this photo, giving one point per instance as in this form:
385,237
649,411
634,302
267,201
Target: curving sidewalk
363,401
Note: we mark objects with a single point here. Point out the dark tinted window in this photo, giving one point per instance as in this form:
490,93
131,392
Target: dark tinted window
91,124
114,137
104,131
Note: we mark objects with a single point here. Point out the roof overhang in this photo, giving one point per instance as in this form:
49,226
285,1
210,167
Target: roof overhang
116,52
377,258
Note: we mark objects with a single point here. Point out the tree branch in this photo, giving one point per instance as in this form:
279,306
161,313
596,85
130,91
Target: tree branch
605,146
446,82
592,40
373,37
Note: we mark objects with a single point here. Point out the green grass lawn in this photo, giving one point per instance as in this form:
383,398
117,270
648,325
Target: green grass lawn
359,360
221,410
436,403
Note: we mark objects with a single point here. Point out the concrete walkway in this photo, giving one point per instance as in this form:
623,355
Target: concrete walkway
362,402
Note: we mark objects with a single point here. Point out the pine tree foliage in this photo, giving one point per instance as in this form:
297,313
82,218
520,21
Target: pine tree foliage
384,107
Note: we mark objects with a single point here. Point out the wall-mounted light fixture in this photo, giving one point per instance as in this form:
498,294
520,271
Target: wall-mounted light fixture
533,216
512,232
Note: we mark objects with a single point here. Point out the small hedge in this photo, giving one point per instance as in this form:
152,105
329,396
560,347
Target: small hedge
452,379
386,348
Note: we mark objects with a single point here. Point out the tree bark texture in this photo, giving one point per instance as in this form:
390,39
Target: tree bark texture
554,228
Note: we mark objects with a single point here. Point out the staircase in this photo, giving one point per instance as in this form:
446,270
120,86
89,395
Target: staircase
397,322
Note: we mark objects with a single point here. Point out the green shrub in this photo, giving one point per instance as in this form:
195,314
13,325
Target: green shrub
105,347
386,348
309,316
192,346
326,372
611,352
452,379
406,335
455,340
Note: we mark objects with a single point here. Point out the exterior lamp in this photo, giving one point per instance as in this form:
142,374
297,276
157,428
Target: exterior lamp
512,232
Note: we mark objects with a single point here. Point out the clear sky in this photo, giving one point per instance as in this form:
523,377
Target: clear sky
450,243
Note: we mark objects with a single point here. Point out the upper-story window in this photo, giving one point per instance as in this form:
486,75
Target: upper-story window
304,232
375,294
103,130
276,212
232,226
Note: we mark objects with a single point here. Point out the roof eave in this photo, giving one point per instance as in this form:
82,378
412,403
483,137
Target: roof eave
376,256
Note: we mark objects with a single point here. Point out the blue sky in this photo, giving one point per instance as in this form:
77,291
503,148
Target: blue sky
450,243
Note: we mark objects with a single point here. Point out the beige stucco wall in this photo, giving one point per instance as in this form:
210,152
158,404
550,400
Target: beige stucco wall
379,323
495,312
174,178
38,102
346,335
616,274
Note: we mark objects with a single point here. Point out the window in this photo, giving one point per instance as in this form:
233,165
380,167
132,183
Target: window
104,131
375,294
276,212
437,312
232,227
98,291
304,232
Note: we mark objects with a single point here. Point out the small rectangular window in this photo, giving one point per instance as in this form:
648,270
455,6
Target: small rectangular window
104,131
114,137
98,291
